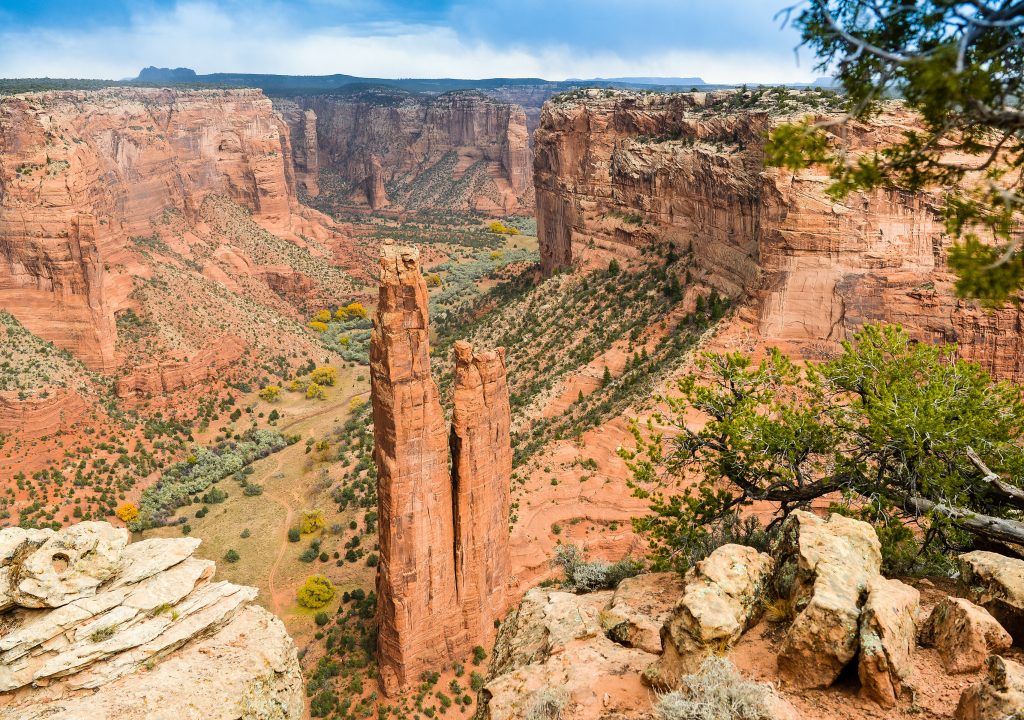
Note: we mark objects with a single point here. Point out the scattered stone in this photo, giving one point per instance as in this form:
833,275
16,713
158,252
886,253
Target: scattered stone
639,609
996,582
721,600
888,637
964,634
1000,696
829,564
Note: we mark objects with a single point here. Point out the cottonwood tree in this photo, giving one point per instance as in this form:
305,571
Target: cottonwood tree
898,430
960,65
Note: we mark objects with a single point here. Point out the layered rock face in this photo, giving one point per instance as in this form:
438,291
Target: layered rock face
618,172
82,172
94,627
305,146
443,537
460,150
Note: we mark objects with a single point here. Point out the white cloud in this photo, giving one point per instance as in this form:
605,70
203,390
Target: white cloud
208,39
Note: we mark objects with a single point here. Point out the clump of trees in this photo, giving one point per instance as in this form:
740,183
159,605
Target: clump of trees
316,592
902,433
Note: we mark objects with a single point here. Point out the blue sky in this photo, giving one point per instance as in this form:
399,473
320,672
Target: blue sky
719,40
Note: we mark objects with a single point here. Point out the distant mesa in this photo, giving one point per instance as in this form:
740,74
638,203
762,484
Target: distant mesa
688,81
155,74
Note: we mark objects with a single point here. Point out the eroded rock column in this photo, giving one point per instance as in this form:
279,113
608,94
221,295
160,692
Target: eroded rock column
481,475
416,601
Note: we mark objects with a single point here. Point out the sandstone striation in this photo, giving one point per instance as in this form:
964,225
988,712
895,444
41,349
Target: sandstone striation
99,628
619,172
384,147
305,144
443,537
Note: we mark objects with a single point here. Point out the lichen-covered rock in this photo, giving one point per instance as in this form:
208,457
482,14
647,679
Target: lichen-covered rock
70,565
721,600
552,657
996,582
138,631
1000,696
888,636
640,607
830,563
964,634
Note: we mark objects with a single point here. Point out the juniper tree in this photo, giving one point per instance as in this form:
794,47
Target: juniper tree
900,431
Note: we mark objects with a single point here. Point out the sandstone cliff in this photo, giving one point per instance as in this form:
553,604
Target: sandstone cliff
383,147
94,627
89,177
618,172
481,469
444,554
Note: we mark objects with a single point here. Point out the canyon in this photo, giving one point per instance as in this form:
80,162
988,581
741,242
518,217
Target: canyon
383,148
95,185
619,174
444,554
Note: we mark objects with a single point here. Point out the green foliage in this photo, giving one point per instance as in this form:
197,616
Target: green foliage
316,592
294,535
203,468
583,576
886,422
232,556
960,65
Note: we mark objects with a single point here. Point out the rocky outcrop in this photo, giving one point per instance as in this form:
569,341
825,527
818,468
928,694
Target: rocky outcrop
964,635
82,173
828,565
166,376
443,539
999,696
721,600
619,172
384,147
551,659
887,639
94,627
37,415
996,582
640,607
481,451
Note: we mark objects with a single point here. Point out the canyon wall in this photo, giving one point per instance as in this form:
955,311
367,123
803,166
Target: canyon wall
618,173
82,173
443,537
382,148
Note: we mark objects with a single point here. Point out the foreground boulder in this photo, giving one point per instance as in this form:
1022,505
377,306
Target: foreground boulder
887,638
721,600
640,607
826,568
999,696
964,634
996,582
553,659
98,628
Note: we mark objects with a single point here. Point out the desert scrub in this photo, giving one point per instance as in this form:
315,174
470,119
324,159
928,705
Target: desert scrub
582,576
716,692
199,471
